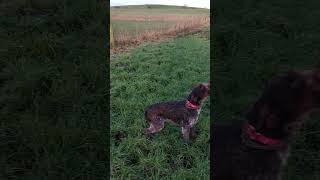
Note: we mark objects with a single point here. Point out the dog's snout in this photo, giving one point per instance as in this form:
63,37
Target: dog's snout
207,85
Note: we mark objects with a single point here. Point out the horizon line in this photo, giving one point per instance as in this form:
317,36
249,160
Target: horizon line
158,4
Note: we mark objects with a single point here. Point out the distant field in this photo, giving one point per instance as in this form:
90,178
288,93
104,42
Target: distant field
133,28
135,24
158,10
152,73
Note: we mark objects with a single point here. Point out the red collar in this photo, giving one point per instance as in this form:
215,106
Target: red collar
254,135
189,105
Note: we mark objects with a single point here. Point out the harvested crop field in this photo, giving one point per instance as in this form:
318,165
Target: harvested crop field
132,25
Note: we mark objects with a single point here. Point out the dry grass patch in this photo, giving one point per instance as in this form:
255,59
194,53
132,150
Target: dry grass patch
180,25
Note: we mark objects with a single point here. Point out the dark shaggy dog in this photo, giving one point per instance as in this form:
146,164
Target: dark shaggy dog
183,113
258,148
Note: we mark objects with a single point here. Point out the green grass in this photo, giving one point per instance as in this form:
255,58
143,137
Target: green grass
153,73
53,77
252,42
136,27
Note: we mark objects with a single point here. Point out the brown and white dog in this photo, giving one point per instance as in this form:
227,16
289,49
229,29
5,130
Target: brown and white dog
183,113
258,148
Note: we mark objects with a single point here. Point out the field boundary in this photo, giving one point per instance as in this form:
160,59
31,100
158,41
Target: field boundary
132,43
116,51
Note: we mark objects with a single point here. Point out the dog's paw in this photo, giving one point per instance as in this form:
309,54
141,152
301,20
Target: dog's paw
119,136
148,134
194,133
146,131
188,142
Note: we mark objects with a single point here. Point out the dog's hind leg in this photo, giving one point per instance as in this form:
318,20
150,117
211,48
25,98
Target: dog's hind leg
193,133
155,125
186,132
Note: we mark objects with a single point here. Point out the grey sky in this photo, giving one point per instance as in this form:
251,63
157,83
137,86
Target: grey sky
190,3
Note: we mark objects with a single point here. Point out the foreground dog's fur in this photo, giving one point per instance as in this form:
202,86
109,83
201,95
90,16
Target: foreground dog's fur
182,113
257,149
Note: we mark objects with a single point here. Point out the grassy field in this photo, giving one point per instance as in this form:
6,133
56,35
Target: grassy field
134,24
135,27
54,89
152,73
253,41
158,10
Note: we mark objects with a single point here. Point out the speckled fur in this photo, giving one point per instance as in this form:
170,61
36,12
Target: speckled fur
177,112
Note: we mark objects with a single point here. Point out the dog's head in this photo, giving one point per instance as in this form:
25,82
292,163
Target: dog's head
285,99
199,93
295,90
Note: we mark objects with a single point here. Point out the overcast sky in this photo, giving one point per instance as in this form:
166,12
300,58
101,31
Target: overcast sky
190,3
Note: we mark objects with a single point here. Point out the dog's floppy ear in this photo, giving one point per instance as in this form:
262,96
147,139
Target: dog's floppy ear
286,85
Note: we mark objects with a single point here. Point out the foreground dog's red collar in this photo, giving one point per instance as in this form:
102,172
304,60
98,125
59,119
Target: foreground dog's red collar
254,135
191,106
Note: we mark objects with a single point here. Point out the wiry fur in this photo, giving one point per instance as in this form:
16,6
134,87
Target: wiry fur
276,114
177,112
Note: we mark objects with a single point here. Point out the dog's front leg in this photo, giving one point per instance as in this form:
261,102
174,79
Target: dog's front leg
193,133
186,132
